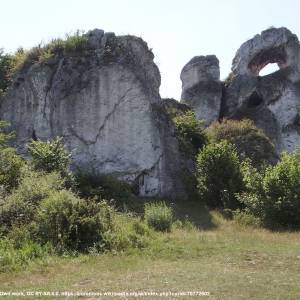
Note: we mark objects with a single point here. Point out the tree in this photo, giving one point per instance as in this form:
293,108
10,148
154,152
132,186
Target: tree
219,175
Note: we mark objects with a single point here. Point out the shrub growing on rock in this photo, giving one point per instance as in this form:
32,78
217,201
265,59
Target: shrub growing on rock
159,216
219,175
190,132
250,141
5,71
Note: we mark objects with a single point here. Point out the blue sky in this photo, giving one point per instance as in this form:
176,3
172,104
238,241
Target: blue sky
176,30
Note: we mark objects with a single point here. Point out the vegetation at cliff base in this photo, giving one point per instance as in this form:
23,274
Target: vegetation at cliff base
250,141
52,219
219,175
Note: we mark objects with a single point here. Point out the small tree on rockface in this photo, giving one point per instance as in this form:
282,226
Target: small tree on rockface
190,132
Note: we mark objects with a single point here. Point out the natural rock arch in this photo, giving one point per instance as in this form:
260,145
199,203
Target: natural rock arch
275,45
272,101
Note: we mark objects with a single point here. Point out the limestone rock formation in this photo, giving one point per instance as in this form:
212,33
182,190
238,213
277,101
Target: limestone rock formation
201,87
103,99
272,101
105,103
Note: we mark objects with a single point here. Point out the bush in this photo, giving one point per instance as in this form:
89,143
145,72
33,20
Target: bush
244,218
273,194
20,206
70,223
10,169
129,232
10,162
219,175
158,216
250,142
13,258
190,132
50,156
107,187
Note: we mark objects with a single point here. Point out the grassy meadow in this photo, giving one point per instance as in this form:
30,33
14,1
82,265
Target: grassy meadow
216,255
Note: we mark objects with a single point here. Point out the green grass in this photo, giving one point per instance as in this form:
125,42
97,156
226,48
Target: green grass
228,260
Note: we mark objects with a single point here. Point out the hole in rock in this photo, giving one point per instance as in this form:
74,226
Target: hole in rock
255,100
269,69
268,61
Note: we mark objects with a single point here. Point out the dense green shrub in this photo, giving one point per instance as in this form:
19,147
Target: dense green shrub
273,195
13,258
250,142
190,132
219,175
50,156
10,162
40,209
107,187
70,223
158,216
129,232
20,206
10,169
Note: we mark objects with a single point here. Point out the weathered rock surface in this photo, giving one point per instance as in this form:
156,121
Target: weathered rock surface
105,103
272,101
201,87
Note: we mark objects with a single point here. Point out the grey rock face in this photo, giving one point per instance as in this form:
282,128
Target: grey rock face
201,87
274,45
272,101
105,103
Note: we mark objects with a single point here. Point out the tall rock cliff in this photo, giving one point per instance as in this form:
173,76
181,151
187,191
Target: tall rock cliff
104,101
